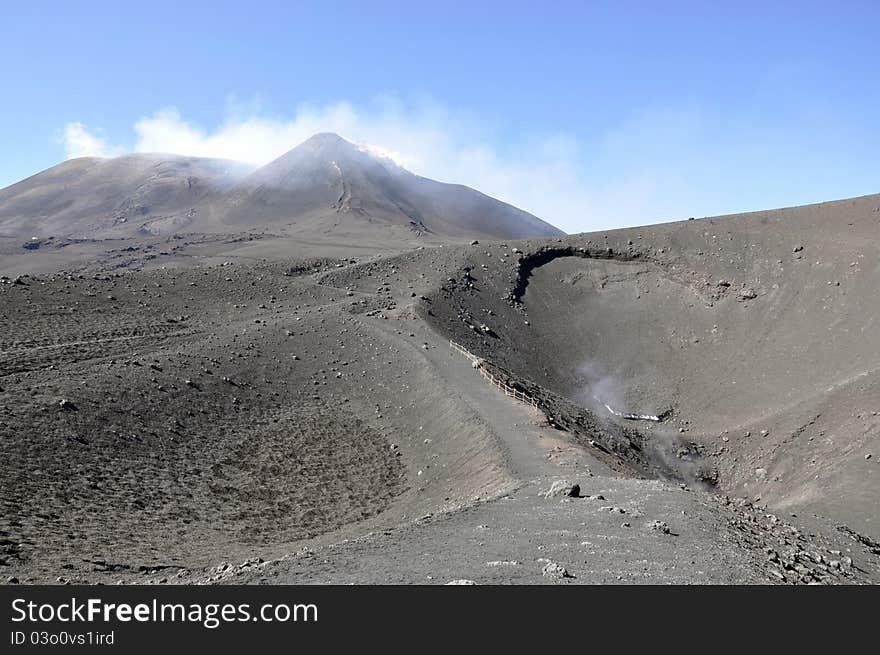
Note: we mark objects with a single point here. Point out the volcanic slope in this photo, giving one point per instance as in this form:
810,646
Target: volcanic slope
754,335
155,424
91,197
326,185
326,197
310,422
263,423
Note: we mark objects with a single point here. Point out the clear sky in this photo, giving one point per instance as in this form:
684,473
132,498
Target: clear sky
590,115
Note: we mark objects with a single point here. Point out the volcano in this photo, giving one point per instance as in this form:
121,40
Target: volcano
324,185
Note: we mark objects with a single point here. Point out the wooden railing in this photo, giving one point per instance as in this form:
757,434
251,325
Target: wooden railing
508,390
464,351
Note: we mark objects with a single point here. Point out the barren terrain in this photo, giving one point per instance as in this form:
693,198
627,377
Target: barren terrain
254,406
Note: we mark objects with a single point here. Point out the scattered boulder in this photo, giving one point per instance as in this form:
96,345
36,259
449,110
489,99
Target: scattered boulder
659,526
555,571
67,405
563,488
460,582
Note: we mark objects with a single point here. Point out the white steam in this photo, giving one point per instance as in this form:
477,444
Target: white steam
605,395
600,392
79,141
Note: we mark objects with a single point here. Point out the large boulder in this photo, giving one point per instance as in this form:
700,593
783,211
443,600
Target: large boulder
562,488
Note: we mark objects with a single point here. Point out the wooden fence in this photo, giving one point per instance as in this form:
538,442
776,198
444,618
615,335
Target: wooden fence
508,390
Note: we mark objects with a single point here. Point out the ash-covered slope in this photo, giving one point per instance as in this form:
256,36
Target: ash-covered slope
160,423
324,187
91,197
756,335
327,177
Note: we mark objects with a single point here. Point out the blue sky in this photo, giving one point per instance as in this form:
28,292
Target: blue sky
591,115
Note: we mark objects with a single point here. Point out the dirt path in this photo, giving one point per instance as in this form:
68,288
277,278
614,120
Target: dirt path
534,451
